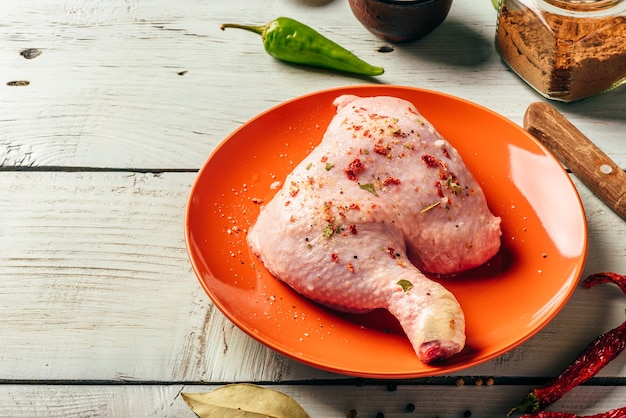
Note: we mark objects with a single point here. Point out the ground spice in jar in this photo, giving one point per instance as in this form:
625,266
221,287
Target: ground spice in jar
565,56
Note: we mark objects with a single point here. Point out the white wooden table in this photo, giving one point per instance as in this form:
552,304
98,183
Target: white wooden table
100,312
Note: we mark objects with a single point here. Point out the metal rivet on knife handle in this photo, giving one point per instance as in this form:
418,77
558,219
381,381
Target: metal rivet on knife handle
575,151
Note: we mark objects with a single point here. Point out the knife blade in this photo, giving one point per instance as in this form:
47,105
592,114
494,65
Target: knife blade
576,152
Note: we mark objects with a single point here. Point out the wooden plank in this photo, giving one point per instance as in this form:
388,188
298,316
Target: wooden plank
156,84
318,400
96,285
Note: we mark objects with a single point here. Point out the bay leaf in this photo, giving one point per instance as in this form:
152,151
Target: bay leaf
243,400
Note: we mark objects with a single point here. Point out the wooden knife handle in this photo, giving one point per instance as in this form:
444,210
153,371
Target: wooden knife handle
574,150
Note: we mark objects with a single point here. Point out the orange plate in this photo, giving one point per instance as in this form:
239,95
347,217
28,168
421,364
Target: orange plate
505,302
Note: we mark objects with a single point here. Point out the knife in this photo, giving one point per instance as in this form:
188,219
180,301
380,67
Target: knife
575,151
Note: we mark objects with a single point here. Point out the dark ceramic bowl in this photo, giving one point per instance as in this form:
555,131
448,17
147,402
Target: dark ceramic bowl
400,20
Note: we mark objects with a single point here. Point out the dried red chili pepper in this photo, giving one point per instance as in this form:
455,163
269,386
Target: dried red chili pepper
593,358
606,277
589,362
613,413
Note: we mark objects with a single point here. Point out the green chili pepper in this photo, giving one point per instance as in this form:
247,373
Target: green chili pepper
289,40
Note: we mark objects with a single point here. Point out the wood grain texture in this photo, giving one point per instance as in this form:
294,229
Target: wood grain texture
579,154
107,110
156,84
94,264
320,401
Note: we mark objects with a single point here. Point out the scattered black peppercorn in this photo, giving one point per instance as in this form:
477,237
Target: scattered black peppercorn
467,414
380,415
392,387
410,407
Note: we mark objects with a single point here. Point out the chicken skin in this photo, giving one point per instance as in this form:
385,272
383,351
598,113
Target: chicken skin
382,199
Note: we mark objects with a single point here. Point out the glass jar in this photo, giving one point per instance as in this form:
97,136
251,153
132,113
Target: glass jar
565,49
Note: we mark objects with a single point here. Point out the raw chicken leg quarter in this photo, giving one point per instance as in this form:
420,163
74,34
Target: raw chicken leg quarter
381,199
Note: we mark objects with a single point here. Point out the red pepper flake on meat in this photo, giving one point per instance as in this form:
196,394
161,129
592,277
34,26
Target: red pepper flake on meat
353,169
429,160
391,180
353,230
447,178
433,162
294,192
328,212
446,153
350,267
354,206
398,133
380,149
439,190
392,252
334,257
